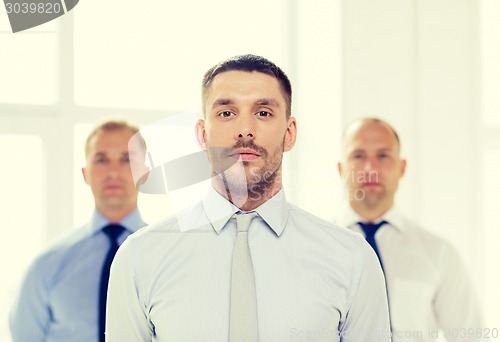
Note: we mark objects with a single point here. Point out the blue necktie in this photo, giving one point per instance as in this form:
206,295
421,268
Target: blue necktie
113,231
370,229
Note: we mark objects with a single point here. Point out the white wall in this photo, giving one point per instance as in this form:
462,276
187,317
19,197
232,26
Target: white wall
415,63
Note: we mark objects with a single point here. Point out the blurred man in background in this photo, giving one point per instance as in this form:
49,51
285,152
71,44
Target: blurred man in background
63,295
428,288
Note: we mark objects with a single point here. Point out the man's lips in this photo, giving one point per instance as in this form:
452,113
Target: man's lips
370,184
113,187
245,154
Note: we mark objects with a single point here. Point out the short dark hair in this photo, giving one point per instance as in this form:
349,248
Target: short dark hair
250,63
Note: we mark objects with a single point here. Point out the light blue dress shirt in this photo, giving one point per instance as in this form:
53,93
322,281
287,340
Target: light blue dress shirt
58,300
314,281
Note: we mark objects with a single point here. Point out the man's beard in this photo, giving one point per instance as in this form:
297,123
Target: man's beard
241,181
373,200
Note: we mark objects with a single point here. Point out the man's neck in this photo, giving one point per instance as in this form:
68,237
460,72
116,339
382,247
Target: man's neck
369,214
115,215
247,199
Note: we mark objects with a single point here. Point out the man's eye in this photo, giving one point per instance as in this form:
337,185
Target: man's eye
225,114
263,113
100,160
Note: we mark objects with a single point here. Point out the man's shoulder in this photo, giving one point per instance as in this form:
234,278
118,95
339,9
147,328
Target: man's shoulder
414,228
426,237
347,250
186,219
339,233
58,250
167,224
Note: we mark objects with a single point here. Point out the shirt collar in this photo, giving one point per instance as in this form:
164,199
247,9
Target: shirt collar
348,218
132,222
219,210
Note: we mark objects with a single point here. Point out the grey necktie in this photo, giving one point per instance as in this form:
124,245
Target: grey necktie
243,319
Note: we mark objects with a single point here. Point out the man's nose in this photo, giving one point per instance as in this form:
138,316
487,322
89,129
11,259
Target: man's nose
371,164
371,170
114,168
245,128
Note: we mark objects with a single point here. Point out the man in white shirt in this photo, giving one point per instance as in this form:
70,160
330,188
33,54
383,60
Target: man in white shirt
304,279
428,288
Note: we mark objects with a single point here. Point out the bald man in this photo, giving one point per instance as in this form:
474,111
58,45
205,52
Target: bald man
428,289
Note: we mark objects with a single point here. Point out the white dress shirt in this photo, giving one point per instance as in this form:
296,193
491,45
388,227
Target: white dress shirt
314,281
427,283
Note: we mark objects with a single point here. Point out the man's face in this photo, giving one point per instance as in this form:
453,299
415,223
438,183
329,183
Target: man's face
108,170
371,166
246,127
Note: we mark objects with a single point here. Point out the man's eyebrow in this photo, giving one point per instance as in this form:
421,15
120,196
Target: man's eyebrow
222,102
360,150
260,102
267,102
357,150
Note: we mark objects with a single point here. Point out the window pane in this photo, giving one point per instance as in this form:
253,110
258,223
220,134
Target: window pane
28,63
490,55
154,54
172,138
491,205
22,215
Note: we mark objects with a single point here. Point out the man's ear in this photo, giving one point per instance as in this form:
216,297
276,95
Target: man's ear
145,174
144,177
84,173
291,134
339,167
403,167
201,134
